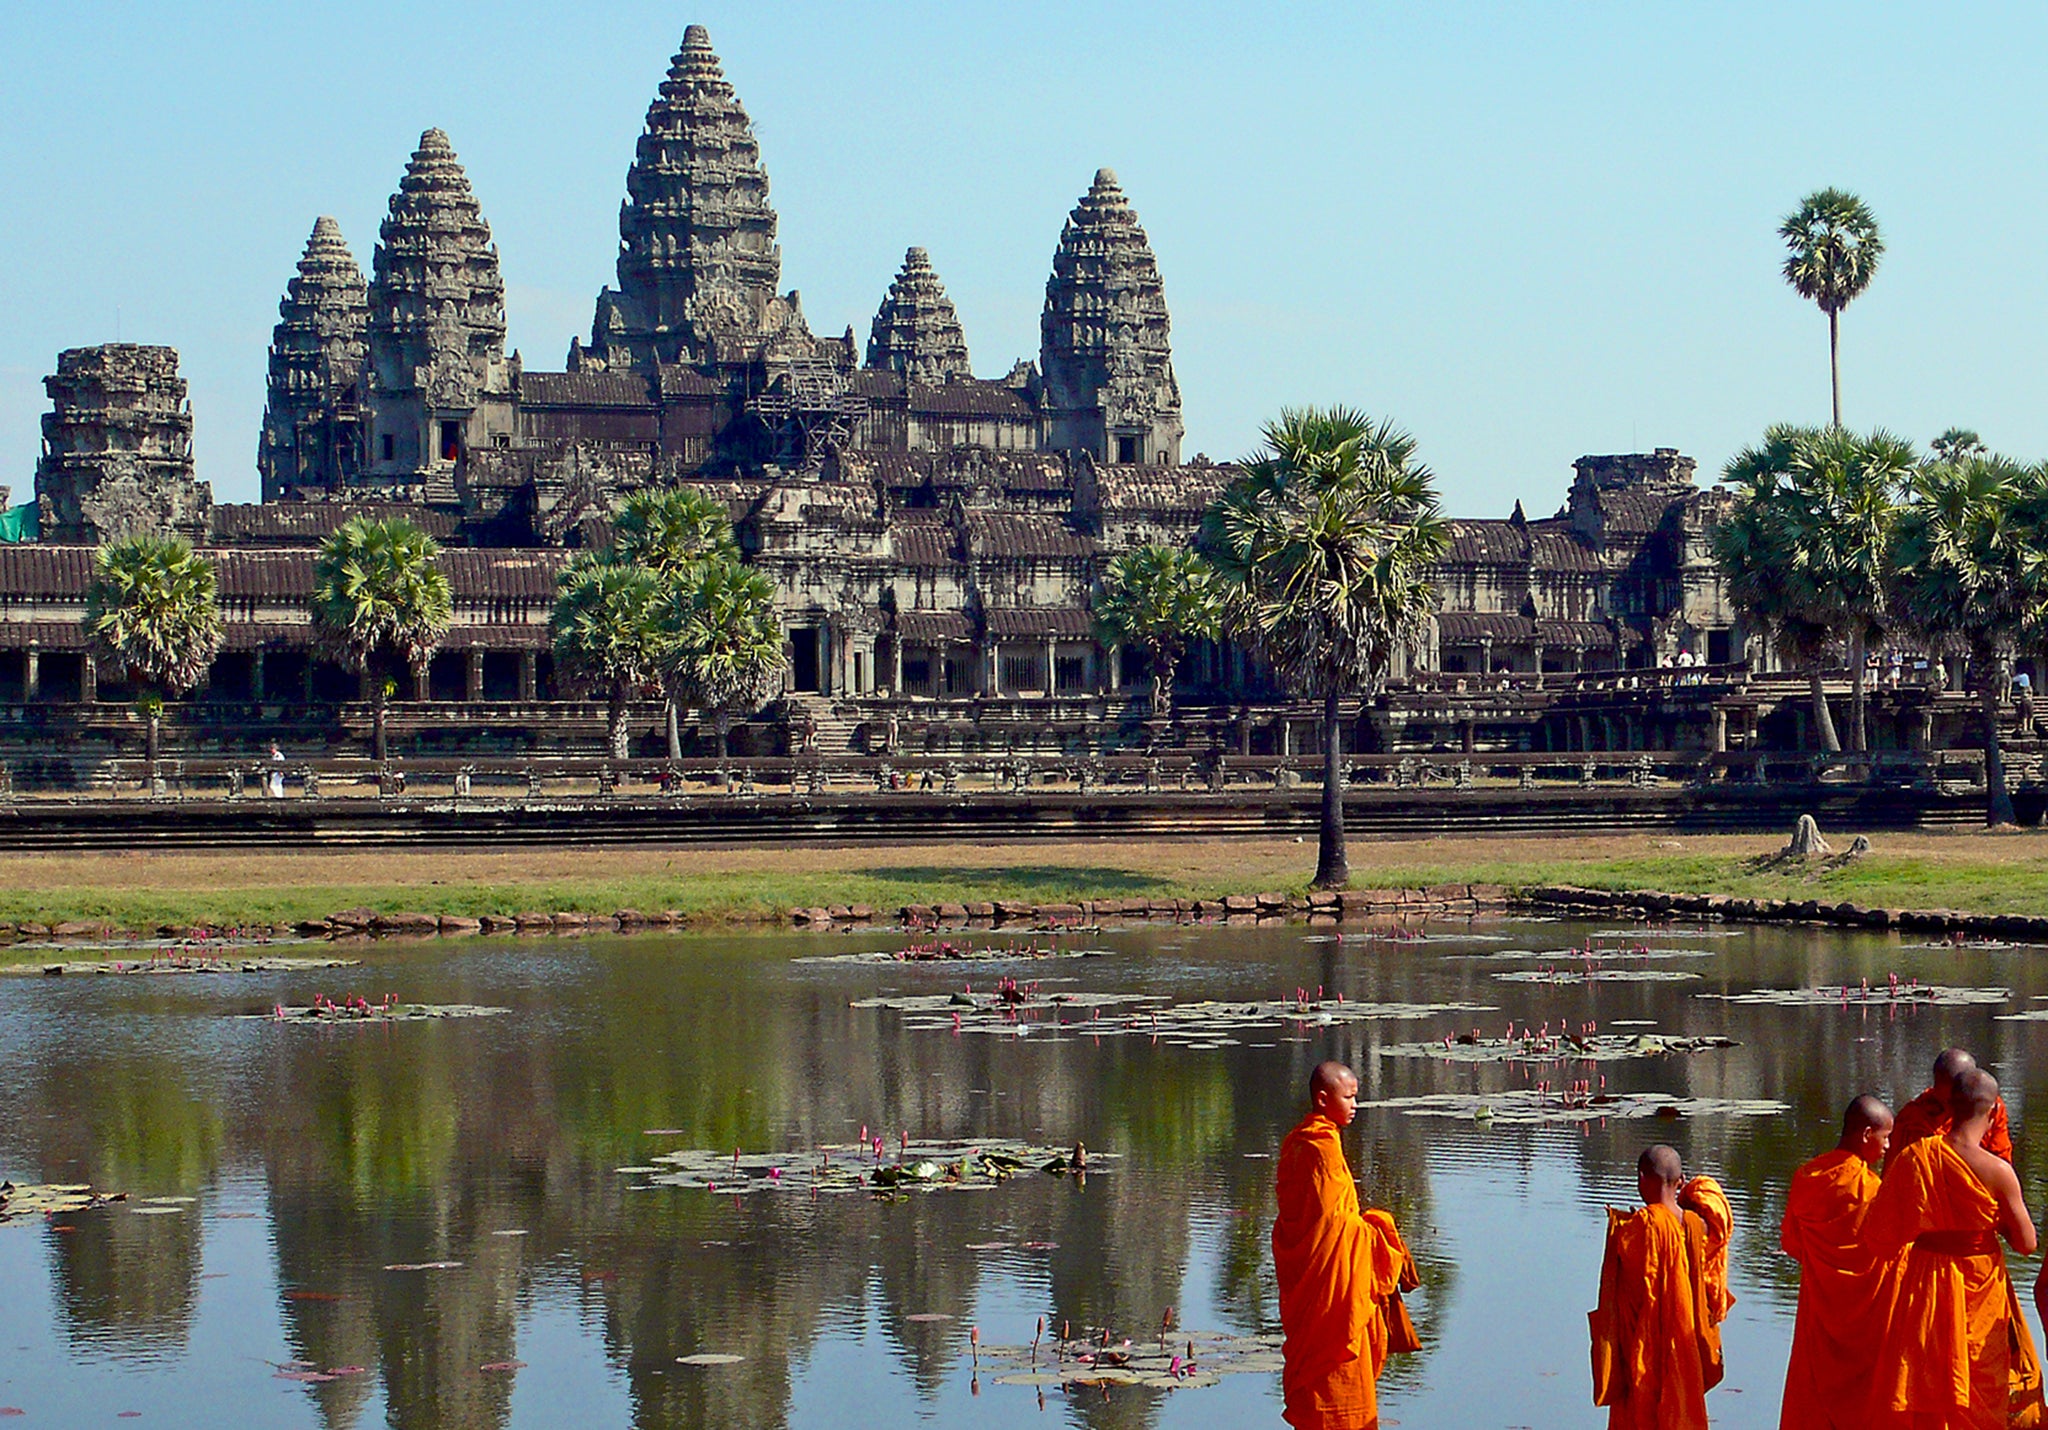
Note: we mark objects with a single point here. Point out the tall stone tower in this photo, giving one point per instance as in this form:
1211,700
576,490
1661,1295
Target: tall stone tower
117,448
312,424
698,262
439,380
1103,339
917,332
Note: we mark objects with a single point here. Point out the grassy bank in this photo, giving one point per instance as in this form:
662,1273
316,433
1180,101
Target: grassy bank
1987,873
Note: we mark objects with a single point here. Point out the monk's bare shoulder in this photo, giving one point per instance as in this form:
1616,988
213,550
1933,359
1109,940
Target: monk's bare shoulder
1992,1170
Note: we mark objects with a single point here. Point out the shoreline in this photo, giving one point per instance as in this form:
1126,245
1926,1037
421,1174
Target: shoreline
1991,884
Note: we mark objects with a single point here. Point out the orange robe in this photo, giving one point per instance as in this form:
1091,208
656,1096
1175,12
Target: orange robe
1655,1348
1841,1313
1703,1197
1337,1265
1956,1352
1927,1116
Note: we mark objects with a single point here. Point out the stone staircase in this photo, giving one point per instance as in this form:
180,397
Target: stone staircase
834,731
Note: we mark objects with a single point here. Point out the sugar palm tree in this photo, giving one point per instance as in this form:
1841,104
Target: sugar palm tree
1833,250
1958,444
667,529
1967,569
380,604
1158,599
1326,543
1805,548
722,646
607,633
153,609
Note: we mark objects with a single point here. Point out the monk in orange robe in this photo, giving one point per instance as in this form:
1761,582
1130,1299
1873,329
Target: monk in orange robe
1955,1351
1841,1310
1928,1114
1656,1341
1341,1270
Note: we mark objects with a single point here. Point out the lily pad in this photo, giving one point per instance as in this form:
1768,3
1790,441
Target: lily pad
1531,1106
1617,954
972,1164
1534,1048
1182,1360
1028,1010
343,1014
948,951
27,1199
1596,975
1878,995
710,1358
162,964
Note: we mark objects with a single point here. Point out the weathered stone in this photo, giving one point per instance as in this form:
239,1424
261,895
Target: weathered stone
312,424
353,920
952,913
405,923
498,923
117,448
917,332
454,924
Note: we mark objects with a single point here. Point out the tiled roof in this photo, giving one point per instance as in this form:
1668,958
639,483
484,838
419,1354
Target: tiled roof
33,569
999,535
585,389
923,539
309,523
970,397
1021,622
1137,486
48,635
1458,628
934,626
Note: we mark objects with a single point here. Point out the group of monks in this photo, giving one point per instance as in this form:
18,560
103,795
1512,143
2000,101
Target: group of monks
1907,1318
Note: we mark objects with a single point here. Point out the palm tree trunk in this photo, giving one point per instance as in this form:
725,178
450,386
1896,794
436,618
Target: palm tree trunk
675,730
615,724
379,703
1163,666
1823,722
1998,801
1333,868
1859,723
152,743
1835,363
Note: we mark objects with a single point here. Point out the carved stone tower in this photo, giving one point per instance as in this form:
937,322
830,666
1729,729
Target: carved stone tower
1103,339
312,424
117,448
917,332
698,262
439,380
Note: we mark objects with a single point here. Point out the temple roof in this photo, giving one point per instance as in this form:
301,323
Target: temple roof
436,296
318,344
1104,334
917,331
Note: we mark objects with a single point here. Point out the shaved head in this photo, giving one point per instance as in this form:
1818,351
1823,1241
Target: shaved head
1661,1163
1951,1064
1974,1094
1329,1078
1865,1114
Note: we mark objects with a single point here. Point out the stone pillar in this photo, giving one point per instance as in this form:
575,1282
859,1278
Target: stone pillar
1468,736
529,675
1537,657
1720,731
1105,663
422,682
896,666
88,678
1486,655
32,674
473,674
256,691
1051,654
991,669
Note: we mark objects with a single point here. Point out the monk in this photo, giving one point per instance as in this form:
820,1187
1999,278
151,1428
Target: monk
1955,1351
1928,1114
1841,1311
1341,1270
1656,1342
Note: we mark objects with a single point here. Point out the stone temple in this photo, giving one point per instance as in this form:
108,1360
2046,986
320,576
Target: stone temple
935,535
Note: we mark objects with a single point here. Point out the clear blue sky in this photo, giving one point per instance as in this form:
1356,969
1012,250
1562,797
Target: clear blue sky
1526,232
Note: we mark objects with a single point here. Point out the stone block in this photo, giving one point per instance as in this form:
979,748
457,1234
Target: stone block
568,920
952,913
981,911
1059,911
1240,904
498,923
917,914
630,918
456,924
354,920
405,923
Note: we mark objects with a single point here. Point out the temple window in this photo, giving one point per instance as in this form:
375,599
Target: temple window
1127,449
387,446
451,441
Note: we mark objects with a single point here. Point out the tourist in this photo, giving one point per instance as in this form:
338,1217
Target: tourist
1841,1316
273,779
1341,1271
1656,1335
1955,1350
1928,1115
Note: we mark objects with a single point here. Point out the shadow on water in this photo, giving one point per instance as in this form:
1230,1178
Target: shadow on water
495,1145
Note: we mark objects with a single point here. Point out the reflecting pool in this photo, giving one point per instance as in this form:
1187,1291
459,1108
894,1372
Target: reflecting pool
425,1224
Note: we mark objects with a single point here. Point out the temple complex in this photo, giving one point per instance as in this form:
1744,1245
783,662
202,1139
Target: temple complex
936,536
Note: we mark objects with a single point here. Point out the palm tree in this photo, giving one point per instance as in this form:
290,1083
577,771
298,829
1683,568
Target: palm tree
1326,542
668,529
1958,444
380,604
1158,599
1805,548
722,645
1967,568
1834,248
607,633
153,609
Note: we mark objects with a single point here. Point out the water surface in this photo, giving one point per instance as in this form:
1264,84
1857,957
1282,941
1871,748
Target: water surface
318,1157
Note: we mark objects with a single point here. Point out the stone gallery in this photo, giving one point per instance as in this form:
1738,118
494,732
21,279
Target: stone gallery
935,536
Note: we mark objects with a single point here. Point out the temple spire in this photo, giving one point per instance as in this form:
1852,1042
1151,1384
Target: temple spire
1104,337
310,435
917,332
698,264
